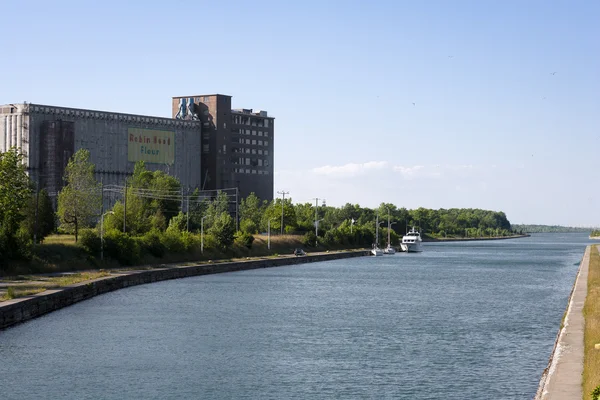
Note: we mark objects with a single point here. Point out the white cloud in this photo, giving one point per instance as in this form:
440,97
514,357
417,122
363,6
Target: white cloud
350,169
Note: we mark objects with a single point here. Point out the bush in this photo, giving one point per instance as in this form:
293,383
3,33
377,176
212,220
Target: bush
190,241
309,239
90,241
173,242
121,247
596,393
151,243
244,239
248,226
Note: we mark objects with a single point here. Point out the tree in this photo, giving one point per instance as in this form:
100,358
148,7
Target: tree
42,205
80,199
15,191
251,210
223,229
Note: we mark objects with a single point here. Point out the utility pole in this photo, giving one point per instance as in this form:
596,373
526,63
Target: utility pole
282,193
317,219
125,207
37,201
237,218
188,214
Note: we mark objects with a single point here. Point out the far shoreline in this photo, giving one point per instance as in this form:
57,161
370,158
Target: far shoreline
474,239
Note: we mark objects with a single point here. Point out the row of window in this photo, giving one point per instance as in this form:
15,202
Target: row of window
250,141
255,162
253,133
240,119
248,151
250,171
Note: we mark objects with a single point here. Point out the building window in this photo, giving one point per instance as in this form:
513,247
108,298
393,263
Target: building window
266,152
266,163
247,171
253,151
224,149
260,152
253,171
206,98
266,143
224,125
266,134
247,161
247,141
205,148
247,131
260,163
247,151
260,142
254,133
260,133
266,172
266,123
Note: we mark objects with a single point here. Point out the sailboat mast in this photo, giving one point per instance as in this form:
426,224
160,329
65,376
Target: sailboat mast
377,231
388,228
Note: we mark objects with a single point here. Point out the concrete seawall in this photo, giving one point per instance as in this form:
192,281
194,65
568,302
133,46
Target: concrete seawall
562,378
25,308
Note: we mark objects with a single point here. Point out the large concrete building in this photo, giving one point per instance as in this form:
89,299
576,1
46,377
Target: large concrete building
237,145
48,136
206,144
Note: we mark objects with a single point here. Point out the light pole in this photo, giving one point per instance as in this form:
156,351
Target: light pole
317,219
102,234
352,221
269,234
202,234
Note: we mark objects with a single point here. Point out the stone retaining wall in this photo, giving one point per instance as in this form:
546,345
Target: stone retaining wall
25,308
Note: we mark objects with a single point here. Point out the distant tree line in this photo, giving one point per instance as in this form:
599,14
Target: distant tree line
151,218
548,228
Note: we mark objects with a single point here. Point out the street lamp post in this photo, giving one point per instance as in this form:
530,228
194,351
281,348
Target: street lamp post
102,234
269,234
202,234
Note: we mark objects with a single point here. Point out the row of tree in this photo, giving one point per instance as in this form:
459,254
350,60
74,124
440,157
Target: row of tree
152,205
549,228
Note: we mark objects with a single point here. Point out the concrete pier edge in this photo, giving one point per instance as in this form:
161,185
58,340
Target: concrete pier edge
562,378
19,310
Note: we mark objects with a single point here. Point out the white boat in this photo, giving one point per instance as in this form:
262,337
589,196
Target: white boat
389,250
411,242
376,251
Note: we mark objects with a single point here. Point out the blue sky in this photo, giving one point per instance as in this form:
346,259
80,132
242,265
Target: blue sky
490,127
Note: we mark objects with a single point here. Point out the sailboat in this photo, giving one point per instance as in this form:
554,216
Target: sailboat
376,251
389,249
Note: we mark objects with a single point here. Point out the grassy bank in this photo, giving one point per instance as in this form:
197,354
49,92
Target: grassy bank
25,285
60,253
591,313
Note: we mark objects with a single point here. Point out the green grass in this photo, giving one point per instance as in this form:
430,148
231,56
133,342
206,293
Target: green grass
37,284
591,313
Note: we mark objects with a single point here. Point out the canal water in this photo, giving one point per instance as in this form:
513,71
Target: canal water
462,320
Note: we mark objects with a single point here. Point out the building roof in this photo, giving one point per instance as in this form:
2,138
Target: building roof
201,95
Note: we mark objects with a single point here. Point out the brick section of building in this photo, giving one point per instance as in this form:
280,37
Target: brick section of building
237,145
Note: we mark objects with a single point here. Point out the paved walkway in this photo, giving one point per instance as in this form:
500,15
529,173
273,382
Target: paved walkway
563,379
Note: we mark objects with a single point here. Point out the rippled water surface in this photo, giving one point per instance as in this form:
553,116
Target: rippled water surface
460,321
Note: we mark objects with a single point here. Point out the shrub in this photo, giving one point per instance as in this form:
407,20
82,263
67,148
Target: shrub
173,242
121,247
244,239
248,226
151,243
90,241
309,239
596,393
190,241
